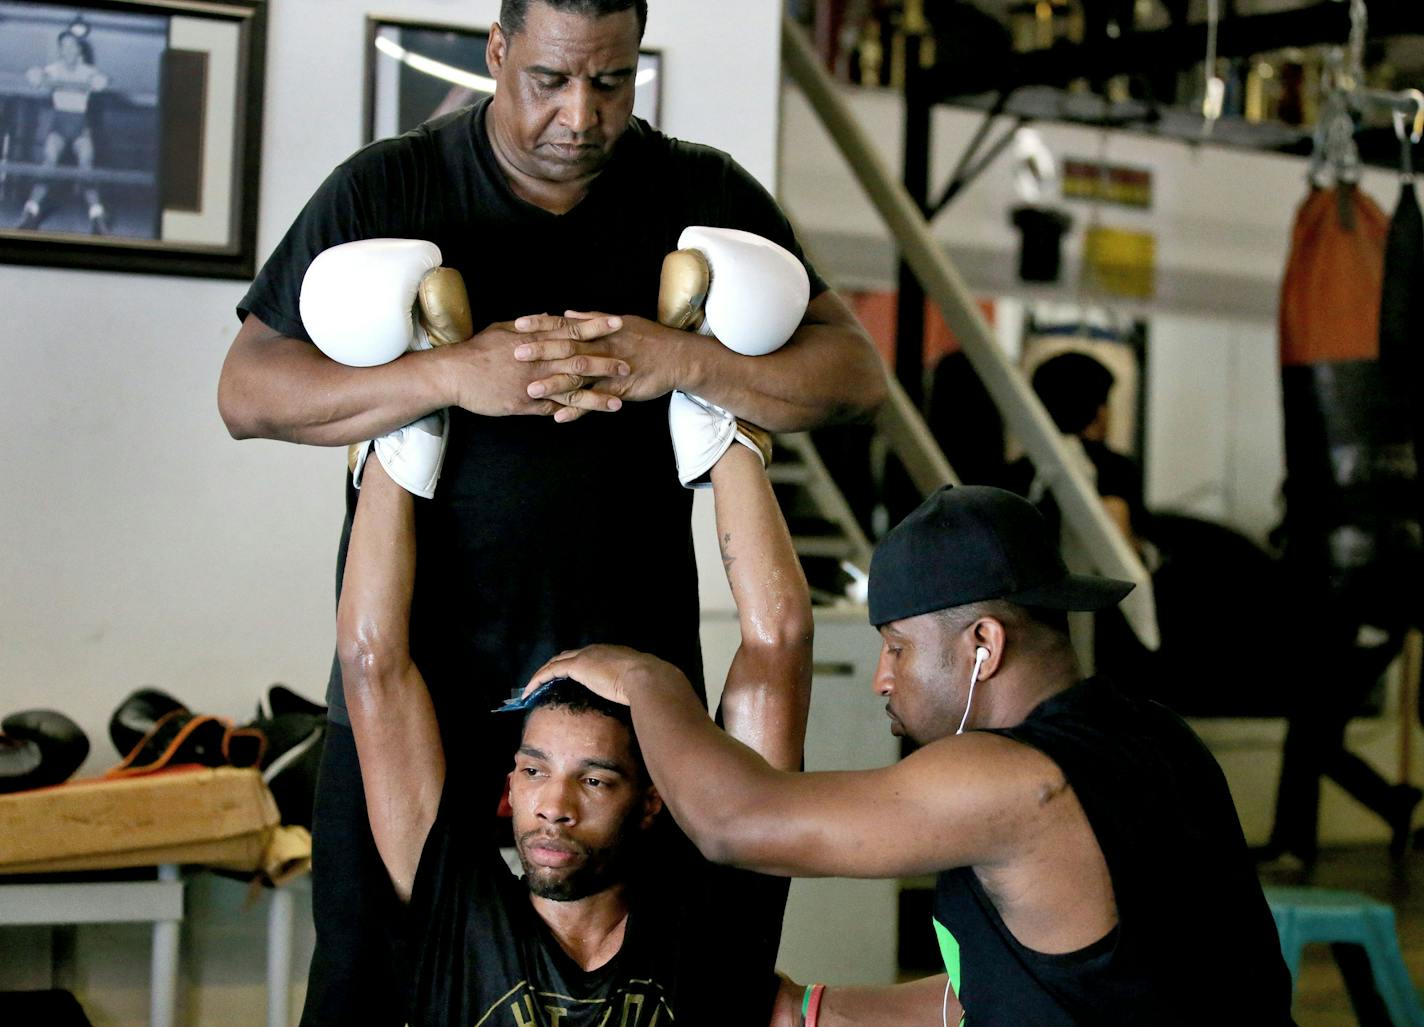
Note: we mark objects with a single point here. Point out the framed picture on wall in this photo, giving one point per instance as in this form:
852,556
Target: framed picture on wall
130,134
416,71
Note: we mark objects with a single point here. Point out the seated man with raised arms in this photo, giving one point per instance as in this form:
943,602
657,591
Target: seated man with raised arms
596,933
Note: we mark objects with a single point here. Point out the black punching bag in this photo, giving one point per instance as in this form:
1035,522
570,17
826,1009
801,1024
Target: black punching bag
1402,314
1352,512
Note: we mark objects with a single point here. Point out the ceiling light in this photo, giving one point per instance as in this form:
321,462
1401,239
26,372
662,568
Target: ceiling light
437,69
459,76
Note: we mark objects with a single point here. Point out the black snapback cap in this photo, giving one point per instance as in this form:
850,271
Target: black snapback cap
972,543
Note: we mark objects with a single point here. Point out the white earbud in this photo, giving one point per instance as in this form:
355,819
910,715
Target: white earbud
980,655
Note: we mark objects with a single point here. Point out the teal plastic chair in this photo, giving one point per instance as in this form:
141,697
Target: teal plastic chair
1307,915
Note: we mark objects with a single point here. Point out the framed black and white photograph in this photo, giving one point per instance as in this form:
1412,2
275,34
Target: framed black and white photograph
130,135
416,71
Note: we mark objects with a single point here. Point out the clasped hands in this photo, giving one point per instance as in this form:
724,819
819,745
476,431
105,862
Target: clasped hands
565,366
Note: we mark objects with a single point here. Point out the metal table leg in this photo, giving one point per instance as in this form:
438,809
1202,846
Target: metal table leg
279,958
164,995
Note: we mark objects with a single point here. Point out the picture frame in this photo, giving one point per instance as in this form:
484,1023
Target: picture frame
418,70
130,134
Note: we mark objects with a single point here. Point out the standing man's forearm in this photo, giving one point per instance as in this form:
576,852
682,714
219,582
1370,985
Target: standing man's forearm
276,387
828,373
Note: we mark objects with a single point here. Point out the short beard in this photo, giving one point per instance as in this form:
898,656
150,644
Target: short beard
601,869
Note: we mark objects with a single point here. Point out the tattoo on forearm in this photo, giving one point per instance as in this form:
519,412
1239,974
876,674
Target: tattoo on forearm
727,558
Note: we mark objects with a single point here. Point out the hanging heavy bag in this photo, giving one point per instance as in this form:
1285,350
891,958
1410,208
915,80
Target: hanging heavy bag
1402,316
1352,523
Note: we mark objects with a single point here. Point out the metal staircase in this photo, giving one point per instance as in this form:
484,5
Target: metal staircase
823,526
1096,542
824,530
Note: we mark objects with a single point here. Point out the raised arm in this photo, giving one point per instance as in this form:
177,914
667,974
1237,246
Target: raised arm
397,737
767,696
828,373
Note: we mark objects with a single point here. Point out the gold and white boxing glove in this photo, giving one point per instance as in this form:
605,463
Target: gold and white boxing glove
367,302
751,295
744,290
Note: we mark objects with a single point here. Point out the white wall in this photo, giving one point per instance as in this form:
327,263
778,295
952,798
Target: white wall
141,545
1214,442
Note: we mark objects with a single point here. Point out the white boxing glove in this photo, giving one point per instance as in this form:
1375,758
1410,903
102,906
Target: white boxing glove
411,455
358,300
750,294
701,434
365,303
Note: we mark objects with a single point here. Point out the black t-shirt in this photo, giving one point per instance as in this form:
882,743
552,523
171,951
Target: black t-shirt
541,536
700,944
1194,941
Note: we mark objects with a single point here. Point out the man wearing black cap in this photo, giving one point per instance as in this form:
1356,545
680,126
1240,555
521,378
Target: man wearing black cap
1091,865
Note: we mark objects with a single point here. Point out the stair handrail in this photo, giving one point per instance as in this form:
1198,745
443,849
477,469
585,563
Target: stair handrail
912,442
1082,510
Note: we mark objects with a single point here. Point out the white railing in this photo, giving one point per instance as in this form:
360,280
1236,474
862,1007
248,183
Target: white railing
1098,539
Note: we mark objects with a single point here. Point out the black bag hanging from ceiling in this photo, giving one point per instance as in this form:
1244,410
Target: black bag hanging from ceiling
1352,512
1402,315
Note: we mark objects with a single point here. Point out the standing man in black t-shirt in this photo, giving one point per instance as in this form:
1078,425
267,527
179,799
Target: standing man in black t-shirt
1091,865
588,936
551,530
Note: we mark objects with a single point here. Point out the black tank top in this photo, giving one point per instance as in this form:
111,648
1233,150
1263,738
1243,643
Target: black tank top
1195,941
